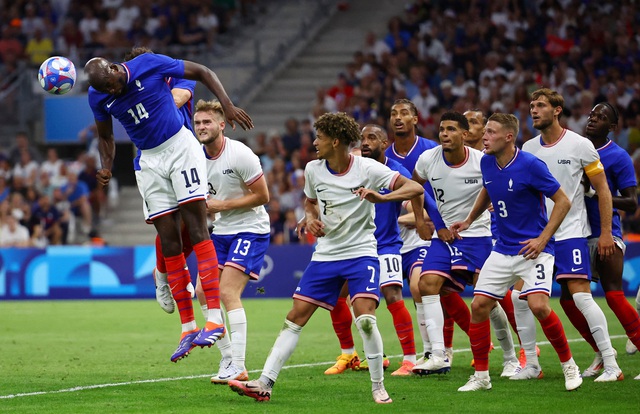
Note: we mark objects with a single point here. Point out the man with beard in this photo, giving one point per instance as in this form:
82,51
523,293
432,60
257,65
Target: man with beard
568,156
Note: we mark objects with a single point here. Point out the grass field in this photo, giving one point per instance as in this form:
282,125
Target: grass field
113,356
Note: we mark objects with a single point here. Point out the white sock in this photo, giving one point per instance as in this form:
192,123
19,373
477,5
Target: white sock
638,300
372,342
224,343
434,321
205,311
501,327
526,327
597,324
422,327
238,330
280,352
189,326
215,316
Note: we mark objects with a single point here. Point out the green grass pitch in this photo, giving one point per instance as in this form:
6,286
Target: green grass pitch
113,356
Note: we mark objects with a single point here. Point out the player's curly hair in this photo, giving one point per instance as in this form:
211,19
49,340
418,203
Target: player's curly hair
340,126
135,52
213,106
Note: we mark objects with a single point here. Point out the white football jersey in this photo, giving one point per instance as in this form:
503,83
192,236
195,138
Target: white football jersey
229,175
349,222
566,159
455,188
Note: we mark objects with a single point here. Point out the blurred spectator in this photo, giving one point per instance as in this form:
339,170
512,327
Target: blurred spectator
190,33
39,48
32,23
77,193
97,195
10,46
53,167
375,46
88,24
209,22
290,235
26,169
276,221
13,234
291,137
5,190
47,217
21,144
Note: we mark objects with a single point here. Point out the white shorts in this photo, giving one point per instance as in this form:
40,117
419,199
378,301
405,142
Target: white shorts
390,269
171,174
593,254
500,272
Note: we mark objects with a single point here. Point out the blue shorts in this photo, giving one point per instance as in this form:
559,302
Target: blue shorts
458,261
322,281
412,259
243,251
572,259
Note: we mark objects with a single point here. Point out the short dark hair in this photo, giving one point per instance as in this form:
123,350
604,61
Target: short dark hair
456,116
412,106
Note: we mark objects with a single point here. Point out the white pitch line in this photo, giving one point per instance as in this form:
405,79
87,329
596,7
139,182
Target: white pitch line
151,381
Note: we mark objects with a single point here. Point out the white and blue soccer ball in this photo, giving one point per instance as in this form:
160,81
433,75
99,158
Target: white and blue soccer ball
57,75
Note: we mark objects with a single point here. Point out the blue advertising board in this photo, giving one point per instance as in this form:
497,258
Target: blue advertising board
84,272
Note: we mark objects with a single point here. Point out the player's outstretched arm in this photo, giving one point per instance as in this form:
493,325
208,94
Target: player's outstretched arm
606,246
107,150
201,73
479,206
533,247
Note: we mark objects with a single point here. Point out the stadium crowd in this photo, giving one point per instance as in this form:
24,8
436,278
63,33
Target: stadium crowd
456,55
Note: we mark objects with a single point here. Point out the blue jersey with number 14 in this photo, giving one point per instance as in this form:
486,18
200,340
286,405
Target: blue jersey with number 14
146,108
517,193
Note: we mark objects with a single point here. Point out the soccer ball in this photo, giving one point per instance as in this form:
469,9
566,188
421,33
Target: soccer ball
57,75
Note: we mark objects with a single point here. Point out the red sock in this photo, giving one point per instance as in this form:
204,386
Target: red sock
507,305
209,273
626,314
178,278
160,264
447,331
578,320
457,309
341,318
480,337
404,326
554,332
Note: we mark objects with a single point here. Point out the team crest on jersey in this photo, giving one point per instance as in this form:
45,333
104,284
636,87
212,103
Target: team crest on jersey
353,190
470,181
139,85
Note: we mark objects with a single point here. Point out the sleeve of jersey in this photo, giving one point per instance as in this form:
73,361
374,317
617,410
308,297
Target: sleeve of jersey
98,112
623,171
249,166
309,191
542,179
432,210
591,158
185,84
166,65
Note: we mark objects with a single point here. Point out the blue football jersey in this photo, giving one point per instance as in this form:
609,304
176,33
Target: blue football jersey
408,161
186,110
620,173
387,229
517,193
146,108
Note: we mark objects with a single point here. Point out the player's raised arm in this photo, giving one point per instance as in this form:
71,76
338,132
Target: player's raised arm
201,73
606,246
107,150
